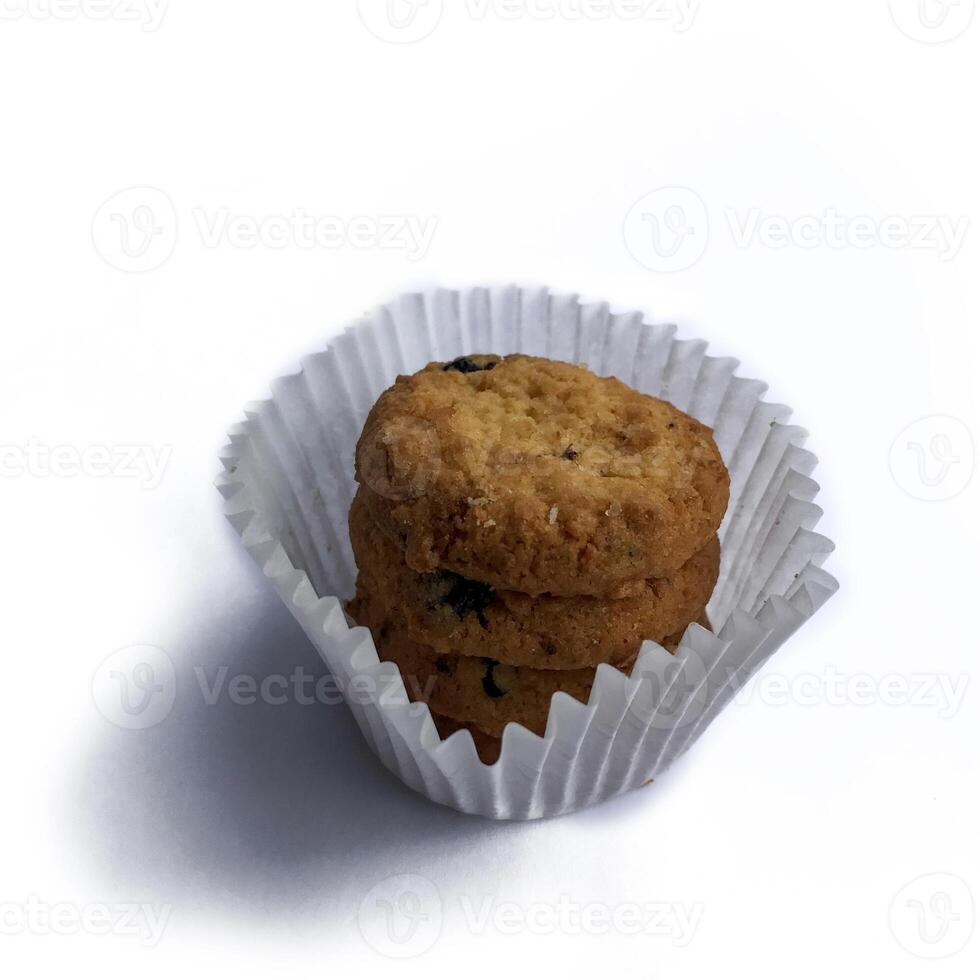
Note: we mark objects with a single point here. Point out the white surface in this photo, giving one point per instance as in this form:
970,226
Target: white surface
798,830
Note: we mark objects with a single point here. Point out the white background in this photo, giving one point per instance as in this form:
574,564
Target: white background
796,831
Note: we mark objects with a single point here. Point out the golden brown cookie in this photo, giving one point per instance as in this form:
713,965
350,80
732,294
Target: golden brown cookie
487,746
538,476
456,615
477,690
481,691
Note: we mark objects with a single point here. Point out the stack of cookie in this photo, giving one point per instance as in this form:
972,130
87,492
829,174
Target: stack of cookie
520,521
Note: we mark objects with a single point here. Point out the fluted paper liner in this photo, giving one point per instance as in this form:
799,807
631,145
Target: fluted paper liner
289,482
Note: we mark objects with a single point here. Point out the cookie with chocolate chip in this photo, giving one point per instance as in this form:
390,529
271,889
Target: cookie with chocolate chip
536,476
488,746
474,689
478,691
452,614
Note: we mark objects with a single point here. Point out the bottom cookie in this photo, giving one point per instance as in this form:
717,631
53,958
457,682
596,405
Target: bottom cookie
487,746
477,690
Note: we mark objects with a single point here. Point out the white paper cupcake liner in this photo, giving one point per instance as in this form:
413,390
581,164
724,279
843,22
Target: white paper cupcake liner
289,482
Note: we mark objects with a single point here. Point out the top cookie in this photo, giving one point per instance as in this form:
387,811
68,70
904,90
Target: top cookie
538,476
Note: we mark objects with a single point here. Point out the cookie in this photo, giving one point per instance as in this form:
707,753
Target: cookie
481,691
478,690
487,746
537,476
452,614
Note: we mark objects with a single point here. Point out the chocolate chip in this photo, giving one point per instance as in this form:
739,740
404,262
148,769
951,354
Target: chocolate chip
442,665
489,684
466,596
569,453
466,365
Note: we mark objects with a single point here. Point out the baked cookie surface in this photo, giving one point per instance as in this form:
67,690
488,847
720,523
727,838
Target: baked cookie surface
452,614
487,746
537,476
476,690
